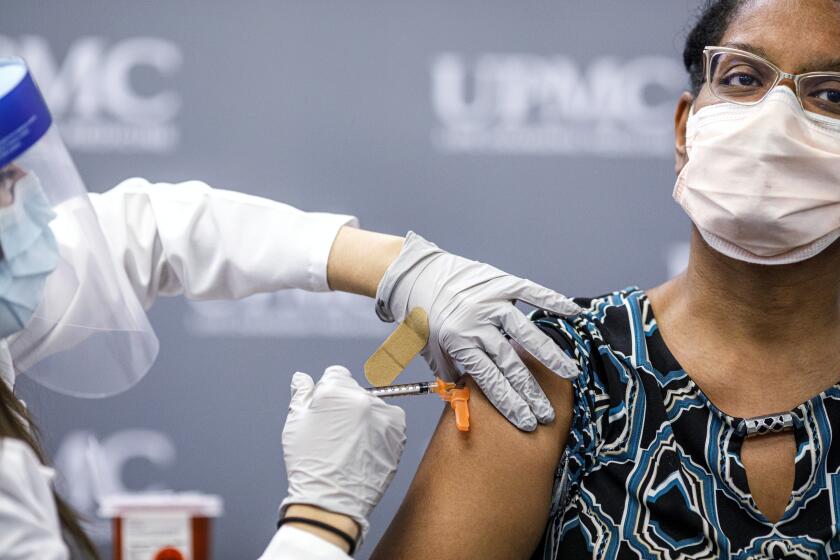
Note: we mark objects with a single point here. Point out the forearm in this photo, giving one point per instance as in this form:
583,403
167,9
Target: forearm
337,520
358,260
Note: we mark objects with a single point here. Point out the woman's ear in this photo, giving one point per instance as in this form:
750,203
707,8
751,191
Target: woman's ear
680,120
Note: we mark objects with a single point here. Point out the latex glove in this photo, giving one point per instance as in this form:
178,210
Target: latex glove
341,445
469,305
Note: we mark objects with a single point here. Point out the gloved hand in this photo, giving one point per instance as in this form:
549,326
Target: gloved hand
469,304
341,445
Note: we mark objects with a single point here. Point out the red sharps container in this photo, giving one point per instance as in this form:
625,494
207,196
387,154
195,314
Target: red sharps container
161,526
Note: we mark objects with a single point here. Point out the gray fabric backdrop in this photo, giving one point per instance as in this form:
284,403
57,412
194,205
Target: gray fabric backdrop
533,135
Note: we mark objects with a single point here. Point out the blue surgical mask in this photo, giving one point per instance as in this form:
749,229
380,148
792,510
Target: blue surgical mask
30,254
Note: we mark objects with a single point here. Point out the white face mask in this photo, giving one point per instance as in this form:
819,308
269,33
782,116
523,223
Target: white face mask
762,182
30,254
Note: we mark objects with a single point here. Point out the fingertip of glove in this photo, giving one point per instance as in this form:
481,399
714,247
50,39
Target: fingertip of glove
569,371
564,366
527,424
336,372
301,382
567,307
337,369
400,418
300,378
546,414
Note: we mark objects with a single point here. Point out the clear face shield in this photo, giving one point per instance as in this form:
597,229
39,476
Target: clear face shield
68,315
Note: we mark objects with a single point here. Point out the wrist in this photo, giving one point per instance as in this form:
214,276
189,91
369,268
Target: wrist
359,258
342,522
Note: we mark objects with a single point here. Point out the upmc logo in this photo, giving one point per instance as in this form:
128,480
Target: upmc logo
105,97
91,468
526,104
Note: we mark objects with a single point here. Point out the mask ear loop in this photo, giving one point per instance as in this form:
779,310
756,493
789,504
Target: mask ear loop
9,175
7,370
692,111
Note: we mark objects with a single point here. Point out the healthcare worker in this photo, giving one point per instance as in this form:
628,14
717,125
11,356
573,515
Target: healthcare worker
78,271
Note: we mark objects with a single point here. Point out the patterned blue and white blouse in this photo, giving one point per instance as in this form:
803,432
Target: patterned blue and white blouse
652,468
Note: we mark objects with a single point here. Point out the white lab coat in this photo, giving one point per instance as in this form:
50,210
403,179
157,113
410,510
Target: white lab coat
203,243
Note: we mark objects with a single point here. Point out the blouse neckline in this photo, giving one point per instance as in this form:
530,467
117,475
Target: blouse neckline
738,423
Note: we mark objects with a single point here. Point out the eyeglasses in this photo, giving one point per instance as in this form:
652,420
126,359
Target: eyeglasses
744,78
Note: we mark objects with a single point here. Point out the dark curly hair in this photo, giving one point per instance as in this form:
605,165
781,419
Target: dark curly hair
715,17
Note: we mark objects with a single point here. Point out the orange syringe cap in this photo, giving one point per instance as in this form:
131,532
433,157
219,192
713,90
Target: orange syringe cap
458,398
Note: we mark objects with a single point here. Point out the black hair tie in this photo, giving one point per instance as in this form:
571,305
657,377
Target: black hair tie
351,542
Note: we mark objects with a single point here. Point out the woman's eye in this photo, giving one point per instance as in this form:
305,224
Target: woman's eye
740,80
829,95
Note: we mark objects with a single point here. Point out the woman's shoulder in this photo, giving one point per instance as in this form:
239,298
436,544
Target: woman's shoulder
614,319
610,341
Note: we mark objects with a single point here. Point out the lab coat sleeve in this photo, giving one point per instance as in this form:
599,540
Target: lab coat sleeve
290,543
188,238
29,525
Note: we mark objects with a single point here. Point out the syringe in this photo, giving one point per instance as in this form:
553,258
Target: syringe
408,389
456,396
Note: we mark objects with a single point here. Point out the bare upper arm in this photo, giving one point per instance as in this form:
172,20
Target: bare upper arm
485,493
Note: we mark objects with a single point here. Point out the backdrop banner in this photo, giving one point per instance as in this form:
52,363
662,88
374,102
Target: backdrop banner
552,118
